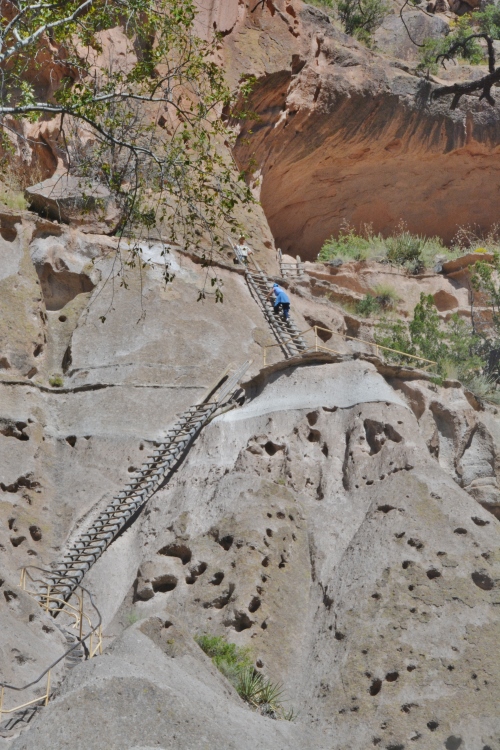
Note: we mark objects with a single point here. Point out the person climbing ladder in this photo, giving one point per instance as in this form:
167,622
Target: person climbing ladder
281,300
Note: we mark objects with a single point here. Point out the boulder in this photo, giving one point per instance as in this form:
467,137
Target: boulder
74,200
392,38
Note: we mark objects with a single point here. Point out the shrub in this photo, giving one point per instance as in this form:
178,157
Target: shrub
360,18
348,246
405,249
386,296
367,306
56,381
253,687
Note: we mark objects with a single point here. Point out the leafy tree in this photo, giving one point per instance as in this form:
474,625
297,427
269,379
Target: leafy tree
360,18
149,129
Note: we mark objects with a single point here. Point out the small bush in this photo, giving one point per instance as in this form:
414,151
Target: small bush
236,665
484,387
405,249
56,381
386,296
367,306
360,18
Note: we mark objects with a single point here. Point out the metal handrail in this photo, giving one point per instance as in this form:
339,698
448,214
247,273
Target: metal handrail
319,347
80,616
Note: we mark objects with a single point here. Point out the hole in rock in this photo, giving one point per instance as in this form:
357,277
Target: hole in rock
71,440
432,725
324,450
460,531
8,233
400,536
36,533
61,286
63,318
221,600
280,514
410,667
312,418
339,636
453,743
375,687
226,542
269,515
259,663
240,622
264,625
271,449
376,595
9,596
395,747
392,676
415,543
269,532
479,521
67,360
433,573
217,579
314,436
254,604
9,429
377,434
282,562
195,572
177,550
483,581
17,540
265,562
11,522
411,587
385,508
162,584
408,707
406,564
167,624
38,350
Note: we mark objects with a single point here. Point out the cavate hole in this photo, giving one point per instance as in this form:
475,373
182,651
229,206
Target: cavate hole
17,540
9,234
167,624
177,550
392,676
71,440
63,318
280,514
406,564
453,743
314,436
272,448
375,687
226,542
269,532
217,579
460,531
265,562
415,543
324,450
162,584
410,667
254,604
38,350
221,600
385,508
339,636
312,418
9,596
195,572
433,573
241,622
479,521
432,725
264,625
11,522
36,533
483,581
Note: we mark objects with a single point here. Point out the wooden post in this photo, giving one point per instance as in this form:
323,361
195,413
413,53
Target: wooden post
48,688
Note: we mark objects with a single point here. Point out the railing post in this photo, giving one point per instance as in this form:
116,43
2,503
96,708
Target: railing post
81,613
1,703
100,640
48,688
48,598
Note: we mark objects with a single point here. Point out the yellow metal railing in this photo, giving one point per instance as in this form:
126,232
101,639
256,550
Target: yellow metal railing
317,346
89,635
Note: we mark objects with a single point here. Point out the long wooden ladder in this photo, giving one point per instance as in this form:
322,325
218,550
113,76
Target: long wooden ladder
89,545
285,332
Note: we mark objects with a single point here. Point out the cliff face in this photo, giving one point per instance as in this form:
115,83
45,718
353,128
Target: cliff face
343,133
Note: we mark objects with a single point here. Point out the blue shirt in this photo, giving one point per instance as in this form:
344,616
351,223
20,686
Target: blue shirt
281,296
